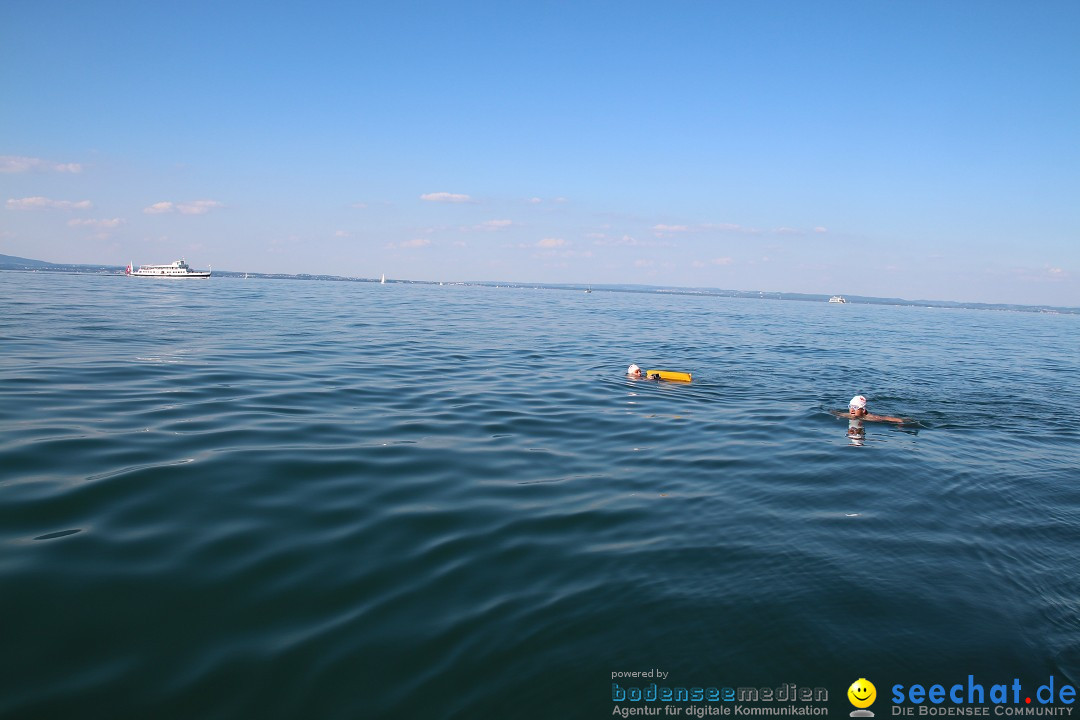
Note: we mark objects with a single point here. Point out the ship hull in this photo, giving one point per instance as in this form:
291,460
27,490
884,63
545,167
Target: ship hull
170,276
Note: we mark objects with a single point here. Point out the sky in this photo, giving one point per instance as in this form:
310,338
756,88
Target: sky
921,150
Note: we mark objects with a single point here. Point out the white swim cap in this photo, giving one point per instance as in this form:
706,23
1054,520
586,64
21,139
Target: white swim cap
633,369
857,403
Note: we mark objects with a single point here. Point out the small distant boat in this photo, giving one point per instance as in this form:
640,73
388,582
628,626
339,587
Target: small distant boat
383,280
837,299
177,269
588,290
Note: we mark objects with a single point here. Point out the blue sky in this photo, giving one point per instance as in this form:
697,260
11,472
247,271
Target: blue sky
919,149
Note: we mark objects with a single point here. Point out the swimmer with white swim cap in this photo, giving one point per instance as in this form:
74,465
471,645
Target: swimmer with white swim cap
635,372
857,411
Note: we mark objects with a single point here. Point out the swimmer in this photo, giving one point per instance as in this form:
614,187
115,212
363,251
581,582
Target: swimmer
638,374
857,411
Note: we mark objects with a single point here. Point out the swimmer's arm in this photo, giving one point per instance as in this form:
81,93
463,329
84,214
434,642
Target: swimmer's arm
839,414
888,418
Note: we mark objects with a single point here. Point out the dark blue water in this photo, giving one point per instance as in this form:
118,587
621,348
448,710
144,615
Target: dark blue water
257,498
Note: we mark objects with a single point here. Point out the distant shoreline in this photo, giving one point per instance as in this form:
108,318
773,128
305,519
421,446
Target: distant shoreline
11,263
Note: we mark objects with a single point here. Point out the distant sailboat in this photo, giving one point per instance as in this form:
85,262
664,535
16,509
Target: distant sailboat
383,281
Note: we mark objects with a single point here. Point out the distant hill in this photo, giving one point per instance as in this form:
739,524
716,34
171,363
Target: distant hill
10,261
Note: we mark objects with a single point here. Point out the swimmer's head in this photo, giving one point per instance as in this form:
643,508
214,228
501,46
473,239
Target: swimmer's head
633,371
857,405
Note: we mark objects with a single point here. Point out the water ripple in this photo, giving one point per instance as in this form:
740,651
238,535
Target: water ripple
353,500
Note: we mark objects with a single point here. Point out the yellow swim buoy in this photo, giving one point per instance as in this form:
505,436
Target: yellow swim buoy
667,375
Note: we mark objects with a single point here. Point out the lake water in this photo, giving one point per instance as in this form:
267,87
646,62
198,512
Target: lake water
255,498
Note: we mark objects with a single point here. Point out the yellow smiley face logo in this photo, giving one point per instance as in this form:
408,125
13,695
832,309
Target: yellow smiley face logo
862,693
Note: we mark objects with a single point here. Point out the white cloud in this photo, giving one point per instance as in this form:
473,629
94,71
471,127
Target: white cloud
194,207
341,234
35,203
731,227
551,243
415,243
787,231
670,230
820,229
535,201
643,263
492,225
358,205
445,197
721,261
601,239
18,164
104,223
630,241
198,207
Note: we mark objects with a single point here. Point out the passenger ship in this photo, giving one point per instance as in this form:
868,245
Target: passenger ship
178,269
838,299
